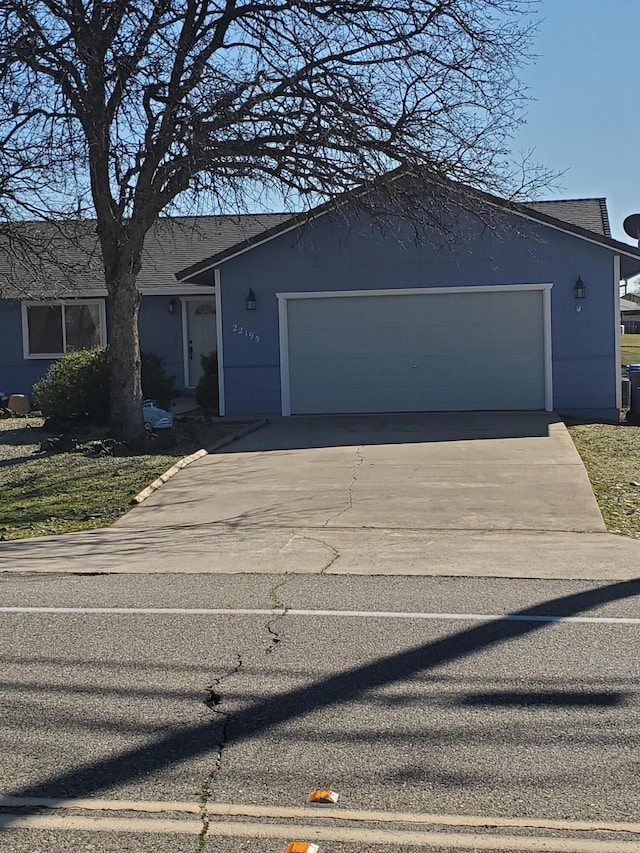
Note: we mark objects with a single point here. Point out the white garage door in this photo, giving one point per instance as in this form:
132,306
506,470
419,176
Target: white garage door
414,352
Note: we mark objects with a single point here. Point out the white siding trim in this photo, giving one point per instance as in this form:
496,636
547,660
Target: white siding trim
411,291
548,349
25,304
185,343
90,293
219,343
177,290
25,333
617,318
103,322
185,300
285,378
283,298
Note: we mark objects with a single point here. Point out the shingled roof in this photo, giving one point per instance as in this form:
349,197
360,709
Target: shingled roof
178,247
628,305
68,261
588,213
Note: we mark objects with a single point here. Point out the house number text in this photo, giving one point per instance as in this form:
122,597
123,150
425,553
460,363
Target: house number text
246,333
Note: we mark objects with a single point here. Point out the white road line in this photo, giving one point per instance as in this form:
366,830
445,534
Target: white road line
309,812
296,832
348,614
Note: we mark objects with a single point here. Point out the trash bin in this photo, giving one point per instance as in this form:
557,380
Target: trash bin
634,405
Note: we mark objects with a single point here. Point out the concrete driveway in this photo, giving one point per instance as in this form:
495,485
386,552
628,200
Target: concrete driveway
490,494
486,471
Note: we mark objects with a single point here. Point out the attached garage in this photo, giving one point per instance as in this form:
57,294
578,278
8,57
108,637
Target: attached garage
499,306
418,350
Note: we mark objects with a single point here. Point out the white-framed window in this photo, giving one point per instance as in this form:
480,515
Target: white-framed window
52,329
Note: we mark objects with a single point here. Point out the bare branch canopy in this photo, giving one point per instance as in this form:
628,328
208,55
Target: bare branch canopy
138,105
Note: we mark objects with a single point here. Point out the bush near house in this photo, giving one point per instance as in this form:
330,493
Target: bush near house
207,388
76,387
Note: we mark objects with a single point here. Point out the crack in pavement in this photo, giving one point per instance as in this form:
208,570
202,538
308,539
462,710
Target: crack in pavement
212,700
335,553
274,595
354,480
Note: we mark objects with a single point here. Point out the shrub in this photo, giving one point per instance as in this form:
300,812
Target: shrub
76,387
207,388
156,385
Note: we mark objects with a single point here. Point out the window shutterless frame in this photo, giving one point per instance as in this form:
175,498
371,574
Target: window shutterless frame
62,302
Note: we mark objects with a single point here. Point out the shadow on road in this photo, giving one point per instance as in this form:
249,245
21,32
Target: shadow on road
546,699
191,741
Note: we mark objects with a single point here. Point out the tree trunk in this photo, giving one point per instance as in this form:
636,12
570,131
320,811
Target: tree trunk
124,347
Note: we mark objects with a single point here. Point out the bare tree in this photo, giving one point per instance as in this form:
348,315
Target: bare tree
151,100
25,171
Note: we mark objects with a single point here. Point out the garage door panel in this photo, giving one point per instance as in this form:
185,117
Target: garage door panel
473,338
416,352
388,340
428,339
354,370
357,399
498,369
351,341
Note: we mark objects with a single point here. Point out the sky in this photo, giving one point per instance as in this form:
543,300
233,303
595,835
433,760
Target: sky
585,116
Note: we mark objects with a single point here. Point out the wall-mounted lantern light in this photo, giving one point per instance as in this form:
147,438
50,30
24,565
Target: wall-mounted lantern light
250,301
579,289
172,304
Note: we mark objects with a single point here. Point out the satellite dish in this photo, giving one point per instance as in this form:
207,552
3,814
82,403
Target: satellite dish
631,226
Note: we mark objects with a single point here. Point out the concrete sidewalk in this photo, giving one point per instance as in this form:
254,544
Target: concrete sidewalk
227,550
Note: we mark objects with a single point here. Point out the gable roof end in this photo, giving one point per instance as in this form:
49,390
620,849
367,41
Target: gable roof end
587,219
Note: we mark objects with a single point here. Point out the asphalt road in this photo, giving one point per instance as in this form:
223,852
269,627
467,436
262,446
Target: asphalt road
436,713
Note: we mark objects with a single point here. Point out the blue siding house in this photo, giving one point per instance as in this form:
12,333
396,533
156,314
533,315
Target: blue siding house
57,301
513,307
520,312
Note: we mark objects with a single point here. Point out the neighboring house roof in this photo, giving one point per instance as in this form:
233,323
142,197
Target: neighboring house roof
578,212
69,262
628,305
589,213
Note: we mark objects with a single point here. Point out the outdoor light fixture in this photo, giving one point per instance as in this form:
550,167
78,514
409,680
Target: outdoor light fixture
250,301
579,289
171,306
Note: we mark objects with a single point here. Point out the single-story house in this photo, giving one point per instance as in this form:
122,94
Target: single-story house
630,314
346,317
516,308
48,307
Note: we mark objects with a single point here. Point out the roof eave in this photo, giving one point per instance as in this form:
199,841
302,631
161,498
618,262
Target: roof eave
629,266
607,242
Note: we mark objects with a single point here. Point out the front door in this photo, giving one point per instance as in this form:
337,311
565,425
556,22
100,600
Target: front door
201,335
